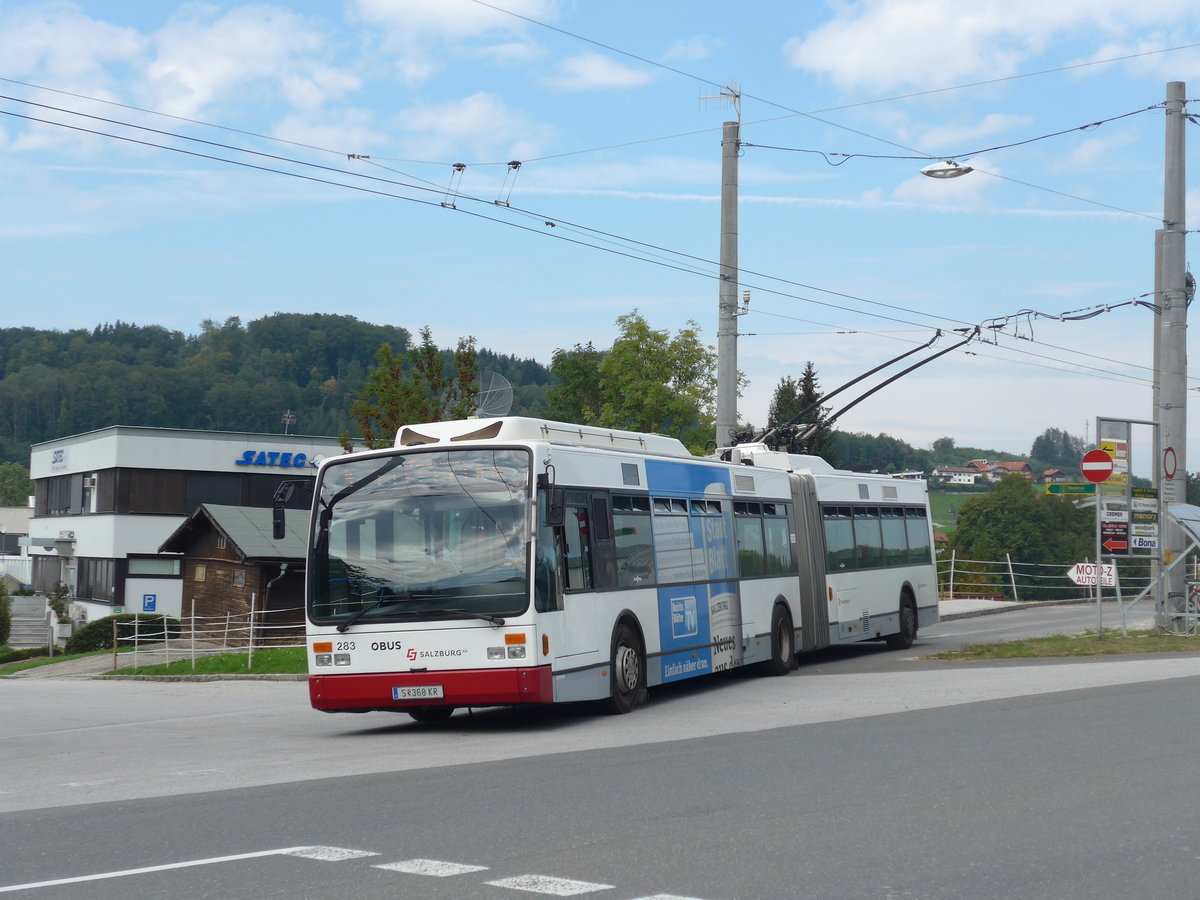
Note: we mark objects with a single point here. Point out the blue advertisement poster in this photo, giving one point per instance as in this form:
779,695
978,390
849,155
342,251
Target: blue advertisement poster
683,628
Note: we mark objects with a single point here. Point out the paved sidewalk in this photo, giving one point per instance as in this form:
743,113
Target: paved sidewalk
101,665
968,607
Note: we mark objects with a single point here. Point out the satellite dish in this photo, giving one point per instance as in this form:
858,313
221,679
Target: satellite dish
494,397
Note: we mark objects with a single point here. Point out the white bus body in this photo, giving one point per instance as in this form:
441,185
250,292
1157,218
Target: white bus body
515,560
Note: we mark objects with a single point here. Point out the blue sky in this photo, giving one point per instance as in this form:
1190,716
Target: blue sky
613,110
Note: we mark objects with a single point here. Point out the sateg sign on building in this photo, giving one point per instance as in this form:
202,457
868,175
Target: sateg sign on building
277,458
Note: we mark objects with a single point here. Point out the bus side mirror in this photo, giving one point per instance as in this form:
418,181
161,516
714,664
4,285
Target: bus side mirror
556,507
283,493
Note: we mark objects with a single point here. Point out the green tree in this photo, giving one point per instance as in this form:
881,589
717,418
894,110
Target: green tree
655,382
1058,448
579,396
1016,522
420,386
792,397
15,485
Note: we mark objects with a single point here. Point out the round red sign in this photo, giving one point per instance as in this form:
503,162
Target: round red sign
1096,466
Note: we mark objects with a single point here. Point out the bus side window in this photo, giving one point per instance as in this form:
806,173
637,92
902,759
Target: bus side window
577,547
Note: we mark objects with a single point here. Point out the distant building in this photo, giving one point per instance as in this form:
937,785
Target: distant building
1055,476
1019,467
15,565
105,501
232,564
957,475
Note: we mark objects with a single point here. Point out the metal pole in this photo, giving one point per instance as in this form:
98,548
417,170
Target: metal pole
727,373
250,649
1160,597
1012,579
1173,340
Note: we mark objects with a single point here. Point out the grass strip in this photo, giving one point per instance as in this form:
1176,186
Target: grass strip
1110,643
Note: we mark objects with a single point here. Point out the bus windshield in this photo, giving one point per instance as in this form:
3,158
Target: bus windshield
424,535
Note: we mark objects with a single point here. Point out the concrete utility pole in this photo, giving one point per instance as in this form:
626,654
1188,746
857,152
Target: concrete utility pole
1171,411
727,375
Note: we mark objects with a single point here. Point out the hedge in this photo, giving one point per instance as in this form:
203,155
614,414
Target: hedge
9,655
98,635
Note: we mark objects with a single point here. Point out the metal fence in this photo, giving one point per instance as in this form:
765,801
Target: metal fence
156,642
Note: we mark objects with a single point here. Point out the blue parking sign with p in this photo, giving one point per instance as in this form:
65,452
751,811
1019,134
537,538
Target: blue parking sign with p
149,602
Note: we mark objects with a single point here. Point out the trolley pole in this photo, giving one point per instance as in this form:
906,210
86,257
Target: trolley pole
727,371
1172,393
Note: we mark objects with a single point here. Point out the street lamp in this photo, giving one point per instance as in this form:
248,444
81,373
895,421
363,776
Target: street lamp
946,169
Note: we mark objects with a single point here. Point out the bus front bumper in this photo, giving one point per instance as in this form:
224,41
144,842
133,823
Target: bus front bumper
408,690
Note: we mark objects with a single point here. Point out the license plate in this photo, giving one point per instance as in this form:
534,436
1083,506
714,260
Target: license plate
418,692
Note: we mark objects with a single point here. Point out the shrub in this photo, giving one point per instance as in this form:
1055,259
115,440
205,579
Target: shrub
8,656
98,635
5,617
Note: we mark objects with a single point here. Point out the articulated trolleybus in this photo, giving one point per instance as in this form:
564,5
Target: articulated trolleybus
493,562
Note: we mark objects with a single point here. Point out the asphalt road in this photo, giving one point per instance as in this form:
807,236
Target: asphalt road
866,775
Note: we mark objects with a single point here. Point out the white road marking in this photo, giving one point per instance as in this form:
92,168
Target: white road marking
327,854
101,876
435,867
549,884
667,897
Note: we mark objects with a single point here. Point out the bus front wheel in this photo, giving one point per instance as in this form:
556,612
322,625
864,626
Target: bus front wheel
627,677
431,713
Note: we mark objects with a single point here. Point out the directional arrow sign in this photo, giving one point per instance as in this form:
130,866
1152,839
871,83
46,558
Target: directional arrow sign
1070,487
1114,536
1085,573
1096,466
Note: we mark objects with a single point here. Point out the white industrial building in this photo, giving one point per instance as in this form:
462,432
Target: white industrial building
106,500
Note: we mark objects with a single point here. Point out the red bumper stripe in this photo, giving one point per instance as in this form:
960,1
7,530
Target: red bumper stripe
471,687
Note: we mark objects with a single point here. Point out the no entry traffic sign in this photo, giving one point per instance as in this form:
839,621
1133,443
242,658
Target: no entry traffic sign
1096,466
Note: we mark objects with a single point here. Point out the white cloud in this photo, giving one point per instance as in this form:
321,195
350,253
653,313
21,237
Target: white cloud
1094,153
592,71
925,44
413,32
965,138
199,62
346,131
691,49
479,125
62,44
456,19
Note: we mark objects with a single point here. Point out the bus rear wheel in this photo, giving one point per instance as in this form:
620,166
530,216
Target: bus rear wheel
627,676
783,642
904,639
431,713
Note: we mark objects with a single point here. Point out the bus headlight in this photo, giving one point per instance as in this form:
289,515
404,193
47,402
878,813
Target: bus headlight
495,652
516,651
323,659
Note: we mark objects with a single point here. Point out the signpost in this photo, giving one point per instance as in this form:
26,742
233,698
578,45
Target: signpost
1070,488
1085,573
1096,466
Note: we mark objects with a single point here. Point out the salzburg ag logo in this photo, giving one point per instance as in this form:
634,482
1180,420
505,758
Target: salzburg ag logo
412,653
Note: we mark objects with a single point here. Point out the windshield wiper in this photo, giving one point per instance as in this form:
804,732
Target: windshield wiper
432,611
378,604
454,614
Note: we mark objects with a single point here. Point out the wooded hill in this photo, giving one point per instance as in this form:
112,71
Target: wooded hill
242,377
229,377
